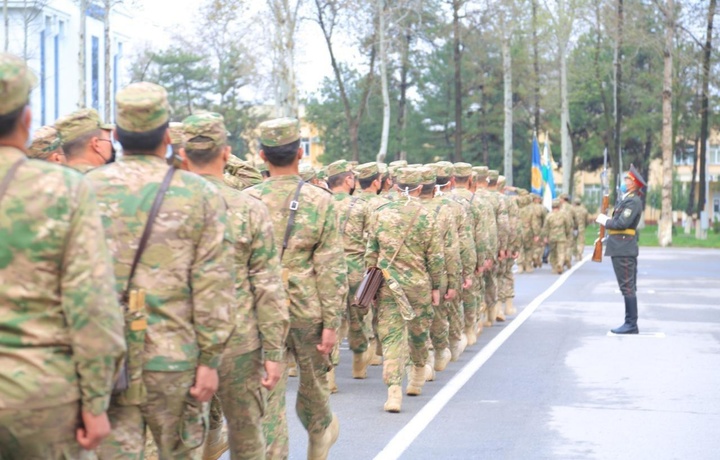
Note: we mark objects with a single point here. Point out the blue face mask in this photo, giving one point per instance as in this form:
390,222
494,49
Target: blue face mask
623,188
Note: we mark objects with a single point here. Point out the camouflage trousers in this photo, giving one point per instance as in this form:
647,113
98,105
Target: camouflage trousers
41,434
359,324
570,249
402,339
490,284
470,309
580,243
558,252
538,252
177,421
440,326
241,398
527,254
313,398
506,280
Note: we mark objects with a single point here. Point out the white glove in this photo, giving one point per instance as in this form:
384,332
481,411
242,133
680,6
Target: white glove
602,219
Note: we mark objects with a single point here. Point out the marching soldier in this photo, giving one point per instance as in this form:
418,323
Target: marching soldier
506,279
566,209
622,245
240,174
495,313
405,241
62,330
46,145
581,218
557,232
255,354
184,265
86,141
538,213
315,279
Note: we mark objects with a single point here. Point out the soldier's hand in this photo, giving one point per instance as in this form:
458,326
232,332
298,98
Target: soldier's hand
488,264
95,428
536,238
468,283
273,371
435,297
451,293
515,254
329,337
206,383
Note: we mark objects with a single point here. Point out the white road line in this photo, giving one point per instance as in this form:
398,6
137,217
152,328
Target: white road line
407,435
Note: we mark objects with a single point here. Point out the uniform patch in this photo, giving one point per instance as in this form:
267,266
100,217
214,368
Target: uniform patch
627,213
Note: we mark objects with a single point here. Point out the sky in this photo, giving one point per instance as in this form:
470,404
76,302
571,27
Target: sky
312,61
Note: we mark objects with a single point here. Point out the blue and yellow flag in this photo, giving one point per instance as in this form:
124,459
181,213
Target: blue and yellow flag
536,176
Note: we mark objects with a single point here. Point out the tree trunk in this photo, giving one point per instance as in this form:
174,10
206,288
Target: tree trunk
108,58
536,68
82,92
6,18
704,102
457,58
401,135
26,26
608,134
665,223
384,82
285,16
617,61
693,180
508,105
483,127
566,153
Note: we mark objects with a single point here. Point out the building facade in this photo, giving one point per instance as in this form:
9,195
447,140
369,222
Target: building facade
46,33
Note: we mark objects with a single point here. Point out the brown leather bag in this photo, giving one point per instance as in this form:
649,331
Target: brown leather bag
368,289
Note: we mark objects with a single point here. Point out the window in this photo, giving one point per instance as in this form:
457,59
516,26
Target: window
56,51
305,144
116,64
714,155
716,206
43,76
95,73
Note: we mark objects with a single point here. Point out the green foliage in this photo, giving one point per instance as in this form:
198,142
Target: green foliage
679,195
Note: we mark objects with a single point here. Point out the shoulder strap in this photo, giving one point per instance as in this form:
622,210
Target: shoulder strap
294,204
148,228
407,232
437,210
347,214
473,197
9,177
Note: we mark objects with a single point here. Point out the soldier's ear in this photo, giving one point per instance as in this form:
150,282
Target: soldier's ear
262,156
300,153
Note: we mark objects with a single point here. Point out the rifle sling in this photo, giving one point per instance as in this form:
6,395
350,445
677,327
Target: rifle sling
148,228
347,214
294,204
407,232
9,177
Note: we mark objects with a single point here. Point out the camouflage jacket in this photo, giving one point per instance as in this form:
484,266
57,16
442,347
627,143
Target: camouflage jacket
61,329
262,313
314,260
566,209
480,232
447,227
514,230
82,168
419,263
581,216
187,268
488,226
531,222
465,232
352,217
557,227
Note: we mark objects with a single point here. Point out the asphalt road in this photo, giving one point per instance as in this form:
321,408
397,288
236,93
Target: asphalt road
552,383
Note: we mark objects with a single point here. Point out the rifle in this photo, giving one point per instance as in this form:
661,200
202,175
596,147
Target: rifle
597,253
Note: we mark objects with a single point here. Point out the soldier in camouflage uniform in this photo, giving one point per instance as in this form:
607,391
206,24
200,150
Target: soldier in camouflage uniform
566,209
307,173
315,278
86,141
405,229
342,183
557,232
386,180
539,213
255,354
62,330
187,272
581,219
391,193
492,286
531,229
46,145
506,278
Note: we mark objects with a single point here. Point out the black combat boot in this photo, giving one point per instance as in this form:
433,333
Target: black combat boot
631,316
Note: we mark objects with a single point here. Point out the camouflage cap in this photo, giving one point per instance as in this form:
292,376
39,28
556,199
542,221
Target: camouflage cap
399,164
321,174
44,142
577,200
415,165
307,172
501,180
205,131
16,82
176,133
427,175
409,176
383,168
522,192
445,169
493,175
338,167
463,169
141,107
482,172
367,170
79,123
556,203
564,196
280,131
353,163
